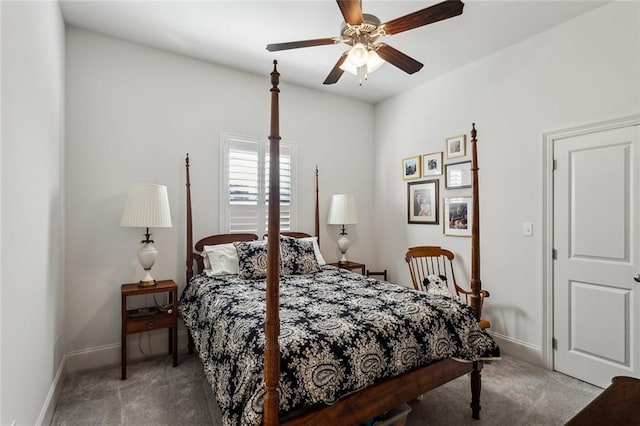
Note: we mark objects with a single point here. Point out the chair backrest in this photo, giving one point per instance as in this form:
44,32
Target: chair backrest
434,260
431,260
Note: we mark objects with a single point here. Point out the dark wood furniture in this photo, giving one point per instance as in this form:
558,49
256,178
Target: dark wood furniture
383,396
349,265
152,318
434,260
382,274
616,405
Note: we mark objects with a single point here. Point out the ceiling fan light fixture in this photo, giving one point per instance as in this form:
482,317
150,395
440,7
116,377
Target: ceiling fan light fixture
361,73
373,63
348,68
358,55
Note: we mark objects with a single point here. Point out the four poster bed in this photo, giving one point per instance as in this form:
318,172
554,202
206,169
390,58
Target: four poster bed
337,347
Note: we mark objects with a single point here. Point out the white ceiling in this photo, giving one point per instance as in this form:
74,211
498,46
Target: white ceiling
235,34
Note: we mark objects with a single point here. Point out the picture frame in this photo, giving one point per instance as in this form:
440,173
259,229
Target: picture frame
422,202
411,168
432,164
457,175
456,146
457,216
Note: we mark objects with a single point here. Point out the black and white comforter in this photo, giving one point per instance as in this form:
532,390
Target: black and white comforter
340,332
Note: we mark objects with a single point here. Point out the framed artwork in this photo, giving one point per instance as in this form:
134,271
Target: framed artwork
456,146
458,212
411,168
432,164
422,202
457,175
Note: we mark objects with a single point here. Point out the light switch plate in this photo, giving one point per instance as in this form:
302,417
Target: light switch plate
527,229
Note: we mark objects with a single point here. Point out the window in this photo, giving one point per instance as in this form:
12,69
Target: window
244,204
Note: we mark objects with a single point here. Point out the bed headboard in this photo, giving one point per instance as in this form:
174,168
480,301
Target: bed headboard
295,234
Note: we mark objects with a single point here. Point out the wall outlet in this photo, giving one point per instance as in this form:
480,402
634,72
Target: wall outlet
527,229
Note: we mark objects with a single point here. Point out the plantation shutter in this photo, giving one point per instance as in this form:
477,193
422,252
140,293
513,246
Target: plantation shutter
285,189
243,190
245,185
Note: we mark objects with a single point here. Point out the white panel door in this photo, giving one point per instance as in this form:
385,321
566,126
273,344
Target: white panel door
597,239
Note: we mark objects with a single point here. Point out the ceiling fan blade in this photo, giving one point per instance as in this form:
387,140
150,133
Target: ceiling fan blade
302,43
336,72
438,12
398,59
351,10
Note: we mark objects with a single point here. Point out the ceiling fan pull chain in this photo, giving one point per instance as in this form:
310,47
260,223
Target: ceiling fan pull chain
362,74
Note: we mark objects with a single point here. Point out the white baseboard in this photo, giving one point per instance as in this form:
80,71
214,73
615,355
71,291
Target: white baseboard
519,349
49,406
152,343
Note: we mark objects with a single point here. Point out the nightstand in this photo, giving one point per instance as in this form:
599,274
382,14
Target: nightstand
349,265
150,318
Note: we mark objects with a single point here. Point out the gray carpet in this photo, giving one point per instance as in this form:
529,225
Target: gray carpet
513,393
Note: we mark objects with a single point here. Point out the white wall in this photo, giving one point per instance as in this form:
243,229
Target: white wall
1,139
132,114
586,70
32,219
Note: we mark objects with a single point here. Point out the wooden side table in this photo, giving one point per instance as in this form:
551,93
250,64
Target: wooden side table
349,265
382,274
150,318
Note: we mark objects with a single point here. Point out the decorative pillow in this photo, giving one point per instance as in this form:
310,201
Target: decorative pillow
297,257
222,259
252,259
437,285
316,249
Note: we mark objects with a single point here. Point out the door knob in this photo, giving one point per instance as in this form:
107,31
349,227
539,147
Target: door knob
637,277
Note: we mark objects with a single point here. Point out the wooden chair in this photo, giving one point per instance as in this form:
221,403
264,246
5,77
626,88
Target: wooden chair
434,260
382,274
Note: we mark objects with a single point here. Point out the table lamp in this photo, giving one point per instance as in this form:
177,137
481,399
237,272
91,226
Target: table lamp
342,211
147,206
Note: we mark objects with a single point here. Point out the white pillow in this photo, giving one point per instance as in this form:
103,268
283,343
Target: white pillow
223,259
316,249
437,285
205,260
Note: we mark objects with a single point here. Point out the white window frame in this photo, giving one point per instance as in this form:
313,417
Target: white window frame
262,144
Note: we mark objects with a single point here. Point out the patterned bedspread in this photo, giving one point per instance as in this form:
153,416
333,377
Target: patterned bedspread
340,332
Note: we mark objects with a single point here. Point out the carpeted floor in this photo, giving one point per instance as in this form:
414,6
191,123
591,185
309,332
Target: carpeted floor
513,393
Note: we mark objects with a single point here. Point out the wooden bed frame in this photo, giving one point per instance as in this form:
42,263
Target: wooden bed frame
382,396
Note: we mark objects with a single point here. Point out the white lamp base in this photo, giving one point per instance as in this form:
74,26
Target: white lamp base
147,257
147,281
343,245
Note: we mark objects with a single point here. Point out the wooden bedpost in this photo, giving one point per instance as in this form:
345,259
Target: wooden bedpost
476,284
272,320
317,213
189,264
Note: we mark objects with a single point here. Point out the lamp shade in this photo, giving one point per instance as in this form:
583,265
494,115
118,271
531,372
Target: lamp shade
147,206
342,210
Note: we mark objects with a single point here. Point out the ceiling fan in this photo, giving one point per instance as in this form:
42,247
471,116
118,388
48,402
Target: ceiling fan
361,30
